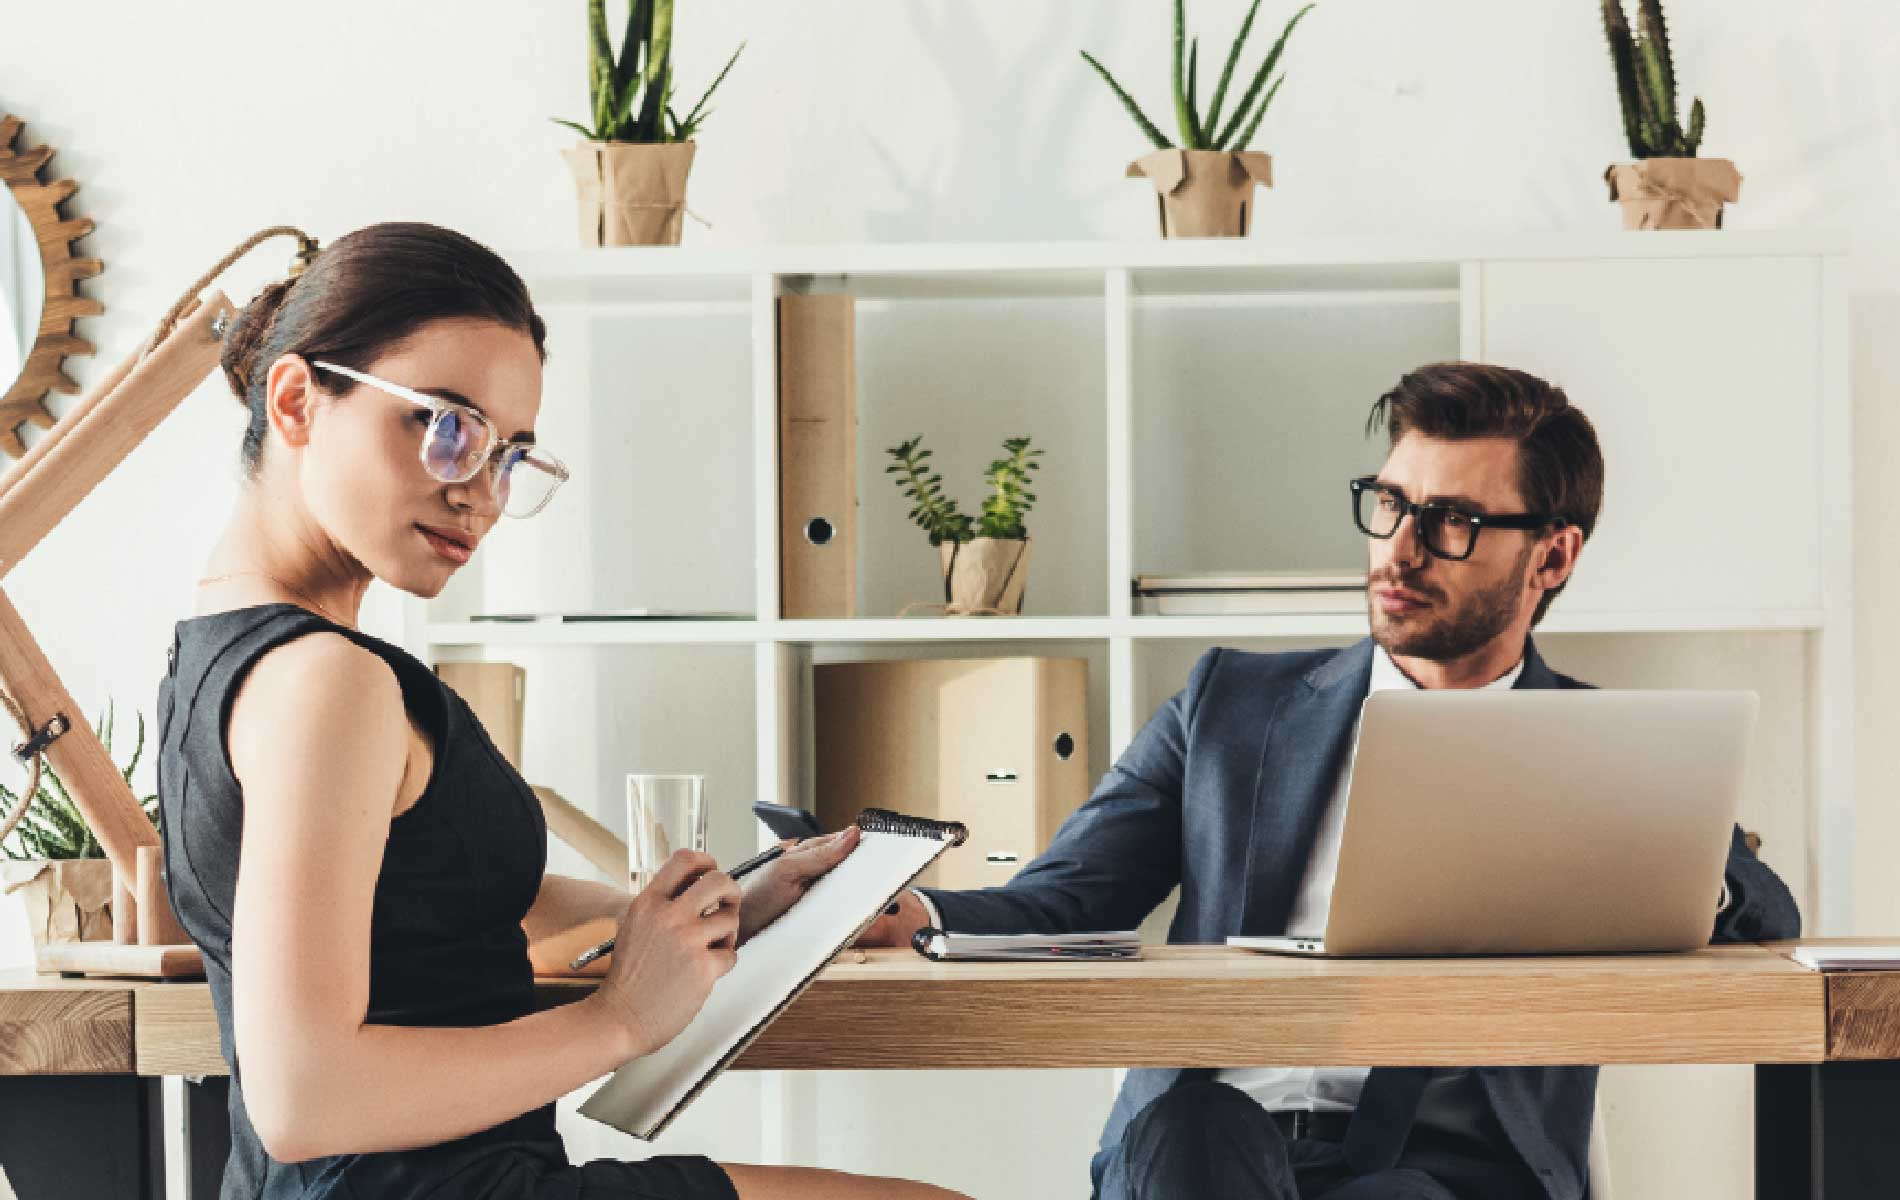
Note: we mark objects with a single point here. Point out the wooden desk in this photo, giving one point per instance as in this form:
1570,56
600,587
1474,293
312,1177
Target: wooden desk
1821,1042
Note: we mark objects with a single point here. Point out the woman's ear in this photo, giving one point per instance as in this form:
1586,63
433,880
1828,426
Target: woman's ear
290,398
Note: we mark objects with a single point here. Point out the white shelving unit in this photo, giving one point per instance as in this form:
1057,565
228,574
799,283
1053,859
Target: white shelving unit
1206,401
1504,298
1719,360
1052,629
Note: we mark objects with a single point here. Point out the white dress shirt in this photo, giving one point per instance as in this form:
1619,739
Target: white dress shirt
1326,1089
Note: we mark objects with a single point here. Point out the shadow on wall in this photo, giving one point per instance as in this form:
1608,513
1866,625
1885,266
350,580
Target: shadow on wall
964,186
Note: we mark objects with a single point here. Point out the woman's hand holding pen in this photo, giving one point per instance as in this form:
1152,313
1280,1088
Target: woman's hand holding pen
676,938
777,886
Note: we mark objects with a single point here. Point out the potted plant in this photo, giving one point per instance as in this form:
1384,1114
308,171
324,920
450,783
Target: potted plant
1667,187
1204,187
52,860
630,172
985,562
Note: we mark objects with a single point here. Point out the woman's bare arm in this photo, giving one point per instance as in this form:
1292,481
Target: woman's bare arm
318,738
568,917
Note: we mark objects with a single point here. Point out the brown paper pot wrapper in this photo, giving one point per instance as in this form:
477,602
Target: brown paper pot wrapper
984,577
1205,193
1674,193
631,194
66,900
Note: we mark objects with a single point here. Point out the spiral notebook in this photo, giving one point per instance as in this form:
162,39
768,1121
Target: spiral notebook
644,1095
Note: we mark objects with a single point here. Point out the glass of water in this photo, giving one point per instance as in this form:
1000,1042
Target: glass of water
665,813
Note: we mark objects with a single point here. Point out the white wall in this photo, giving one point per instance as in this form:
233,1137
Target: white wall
879,121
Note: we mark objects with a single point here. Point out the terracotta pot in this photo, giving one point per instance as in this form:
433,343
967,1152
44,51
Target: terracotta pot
984,577
630,194
1674,193
66,900
1204,193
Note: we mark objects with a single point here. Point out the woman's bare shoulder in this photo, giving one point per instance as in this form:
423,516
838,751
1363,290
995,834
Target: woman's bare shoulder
310,696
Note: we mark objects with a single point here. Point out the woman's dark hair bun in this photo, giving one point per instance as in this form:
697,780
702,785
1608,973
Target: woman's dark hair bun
361,295
246,336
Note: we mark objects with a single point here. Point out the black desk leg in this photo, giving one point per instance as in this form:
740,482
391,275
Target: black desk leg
1827,1132
207,1135
83,1135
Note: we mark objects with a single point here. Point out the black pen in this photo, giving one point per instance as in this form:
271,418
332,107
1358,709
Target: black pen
739,872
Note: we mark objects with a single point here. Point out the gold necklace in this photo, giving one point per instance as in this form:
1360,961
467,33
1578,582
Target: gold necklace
300,594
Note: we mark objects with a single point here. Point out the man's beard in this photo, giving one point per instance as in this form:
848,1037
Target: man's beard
1478,620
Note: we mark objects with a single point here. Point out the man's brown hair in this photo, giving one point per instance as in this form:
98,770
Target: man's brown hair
1559,464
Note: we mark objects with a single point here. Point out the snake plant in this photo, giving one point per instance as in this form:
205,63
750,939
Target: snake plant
632,91
1207,131
1646,84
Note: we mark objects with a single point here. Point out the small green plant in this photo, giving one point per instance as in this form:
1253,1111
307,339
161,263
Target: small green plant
1646,84
632,92
1008,502
53,826
1208,133
1010,498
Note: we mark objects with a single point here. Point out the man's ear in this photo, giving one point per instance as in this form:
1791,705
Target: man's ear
290,398
1558,558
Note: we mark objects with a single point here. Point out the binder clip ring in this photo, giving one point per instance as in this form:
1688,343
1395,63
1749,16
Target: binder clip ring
42,737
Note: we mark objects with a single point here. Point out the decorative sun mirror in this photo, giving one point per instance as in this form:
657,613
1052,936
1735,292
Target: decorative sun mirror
39,294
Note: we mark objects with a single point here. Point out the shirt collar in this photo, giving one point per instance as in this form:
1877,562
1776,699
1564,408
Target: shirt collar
1386,675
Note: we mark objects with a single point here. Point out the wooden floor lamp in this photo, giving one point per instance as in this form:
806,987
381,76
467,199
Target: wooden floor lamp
37,492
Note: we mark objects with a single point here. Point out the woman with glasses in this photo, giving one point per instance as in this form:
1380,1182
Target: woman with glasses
364,873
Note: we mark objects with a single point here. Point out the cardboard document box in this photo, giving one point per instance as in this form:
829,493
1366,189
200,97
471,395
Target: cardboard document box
818,456
1000,744
495,690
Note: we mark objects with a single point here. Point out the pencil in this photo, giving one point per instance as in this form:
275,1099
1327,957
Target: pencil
739,872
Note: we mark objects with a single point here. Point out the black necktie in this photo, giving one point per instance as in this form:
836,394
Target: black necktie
1383,1117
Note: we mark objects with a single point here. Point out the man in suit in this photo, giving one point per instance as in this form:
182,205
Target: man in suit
1235,791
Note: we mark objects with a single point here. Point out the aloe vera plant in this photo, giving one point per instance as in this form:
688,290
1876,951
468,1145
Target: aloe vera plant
632,91
53,826
1207,131
1646,84
938,515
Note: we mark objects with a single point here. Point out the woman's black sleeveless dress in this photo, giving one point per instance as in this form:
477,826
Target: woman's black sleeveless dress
460,870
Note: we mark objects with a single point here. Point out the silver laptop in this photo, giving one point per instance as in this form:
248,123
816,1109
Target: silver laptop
1534,822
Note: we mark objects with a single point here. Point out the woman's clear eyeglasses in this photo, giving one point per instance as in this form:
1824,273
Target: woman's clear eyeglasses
461,441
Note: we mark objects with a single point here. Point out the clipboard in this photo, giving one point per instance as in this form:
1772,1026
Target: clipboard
645,1095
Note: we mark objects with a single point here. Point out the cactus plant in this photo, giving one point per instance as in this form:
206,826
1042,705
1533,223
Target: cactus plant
938,515
632,92
53,827
1209,133
1646,84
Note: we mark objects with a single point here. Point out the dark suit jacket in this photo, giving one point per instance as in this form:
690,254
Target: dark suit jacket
1221,793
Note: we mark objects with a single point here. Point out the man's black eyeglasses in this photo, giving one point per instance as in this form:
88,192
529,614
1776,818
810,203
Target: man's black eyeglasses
1448,531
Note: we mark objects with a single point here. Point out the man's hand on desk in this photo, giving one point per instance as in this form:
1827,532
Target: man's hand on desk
895,929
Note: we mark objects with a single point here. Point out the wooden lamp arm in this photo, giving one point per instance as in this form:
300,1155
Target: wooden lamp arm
36,494
595,842
40,490
44,487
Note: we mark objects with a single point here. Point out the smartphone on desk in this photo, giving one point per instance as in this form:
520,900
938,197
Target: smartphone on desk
787,822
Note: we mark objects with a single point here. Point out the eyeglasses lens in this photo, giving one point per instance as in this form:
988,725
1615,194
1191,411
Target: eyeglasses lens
455,445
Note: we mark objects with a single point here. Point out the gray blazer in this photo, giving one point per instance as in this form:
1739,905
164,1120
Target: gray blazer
1221,793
